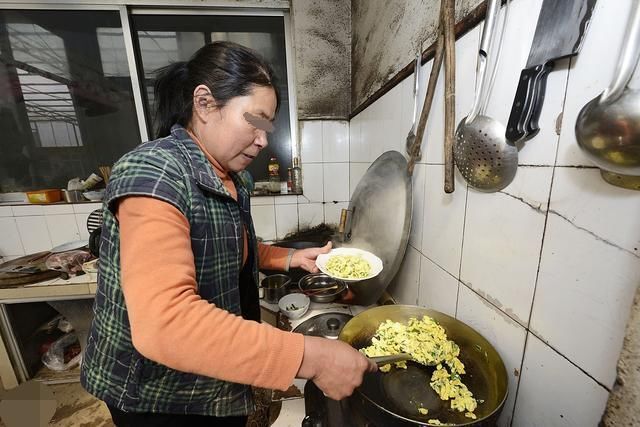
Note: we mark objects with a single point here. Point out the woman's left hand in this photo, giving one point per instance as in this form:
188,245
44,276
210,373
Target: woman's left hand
306,258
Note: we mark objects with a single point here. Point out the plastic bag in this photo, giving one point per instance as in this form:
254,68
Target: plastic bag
63,354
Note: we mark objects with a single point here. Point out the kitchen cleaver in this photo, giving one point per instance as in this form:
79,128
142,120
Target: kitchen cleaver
559,34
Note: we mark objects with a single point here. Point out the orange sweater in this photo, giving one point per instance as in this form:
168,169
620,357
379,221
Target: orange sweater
172,325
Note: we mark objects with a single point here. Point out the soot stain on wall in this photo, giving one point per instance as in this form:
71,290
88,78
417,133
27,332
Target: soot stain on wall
323,58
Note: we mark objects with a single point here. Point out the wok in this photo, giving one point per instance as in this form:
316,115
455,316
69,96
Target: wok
391,399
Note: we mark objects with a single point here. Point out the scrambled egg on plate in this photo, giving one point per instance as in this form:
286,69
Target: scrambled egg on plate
348,266
426,341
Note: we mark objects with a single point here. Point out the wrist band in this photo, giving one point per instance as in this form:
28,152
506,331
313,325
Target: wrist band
287,264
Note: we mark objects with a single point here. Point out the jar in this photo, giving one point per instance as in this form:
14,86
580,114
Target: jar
296,177
274,175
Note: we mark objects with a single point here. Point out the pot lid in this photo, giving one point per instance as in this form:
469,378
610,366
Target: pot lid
379,221
327,325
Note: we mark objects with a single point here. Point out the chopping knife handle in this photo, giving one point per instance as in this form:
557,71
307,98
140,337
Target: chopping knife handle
537,100
527,104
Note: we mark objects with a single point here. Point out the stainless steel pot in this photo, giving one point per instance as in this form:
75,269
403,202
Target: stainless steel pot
390,399
275,287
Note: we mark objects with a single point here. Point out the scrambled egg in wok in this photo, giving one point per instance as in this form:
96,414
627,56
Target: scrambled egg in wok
427,343
348,266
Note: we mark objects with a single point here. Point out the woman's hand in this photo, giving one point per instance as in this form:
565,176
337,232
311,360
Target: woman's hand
306,258
334,366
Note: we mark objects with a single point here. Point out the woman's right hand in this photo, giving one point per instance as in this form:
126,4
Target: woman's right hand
334,366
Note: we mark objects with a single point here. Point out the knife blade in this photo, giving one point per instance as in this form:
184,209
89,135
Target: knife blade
559,34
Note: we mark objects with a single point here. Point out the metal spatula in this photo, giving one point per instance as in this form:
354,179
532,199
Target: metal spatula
392,358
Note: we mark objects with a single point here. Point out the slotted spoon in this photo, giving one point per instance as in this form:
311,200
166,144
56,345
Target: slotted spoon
481,152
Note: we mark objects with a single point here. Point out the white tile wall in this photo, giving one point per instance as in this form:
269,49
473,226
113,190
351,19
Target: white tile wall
5,211
10,243
34,233
502,239
312,184
443,220
335,141
404,286
583,298
310,215
437,289
504,334
418,181
336,182
264,221
311,142
358,148
81,223
286,220
62,228
356,172
553,392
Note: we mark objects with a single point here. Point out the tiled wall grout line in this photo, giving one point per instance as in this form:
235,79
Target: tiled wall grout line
464,225
544,233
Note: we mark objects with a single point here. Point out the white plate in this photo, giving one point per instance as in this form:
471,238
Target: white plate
69,246
374,262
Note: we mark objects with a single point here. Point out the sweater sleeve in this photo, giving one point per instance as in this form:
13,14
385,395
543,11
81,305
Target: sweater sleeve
172,325
272,257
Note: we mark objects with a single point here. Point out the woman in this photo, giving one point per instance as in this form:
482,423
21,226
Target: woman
176,338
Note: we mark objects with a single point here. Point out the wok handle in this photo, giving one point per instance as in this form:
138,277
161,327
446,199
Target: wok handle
385,360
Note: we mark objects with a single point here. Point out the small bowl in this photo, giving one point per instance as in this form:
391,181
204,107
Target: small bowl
294,306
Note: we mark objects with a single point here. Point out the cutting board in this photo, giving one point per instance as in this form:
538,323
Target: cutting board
26,270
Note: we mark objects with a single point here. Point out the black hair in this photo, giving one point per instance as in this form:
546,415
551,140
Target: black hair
227,69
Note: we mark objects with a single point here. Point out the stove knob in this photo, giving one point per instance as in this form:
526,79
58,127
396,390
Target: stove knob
333,324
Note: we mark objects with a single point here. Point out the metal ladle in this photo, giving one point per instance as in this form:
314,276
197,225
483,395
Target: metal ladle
608,127
481,152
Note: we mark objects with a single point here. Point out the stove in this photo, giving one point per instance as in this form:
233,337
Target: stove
320,411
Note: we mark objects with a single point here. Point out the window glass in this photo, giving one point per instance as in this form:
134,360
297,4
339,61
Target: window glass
66,102
162,39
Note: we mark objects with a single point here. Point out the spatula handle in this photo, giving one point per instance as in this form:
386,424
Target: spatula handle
385,360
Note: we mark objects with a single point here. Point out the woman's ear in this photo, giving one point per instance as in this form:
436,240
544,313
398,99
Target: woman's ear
203,102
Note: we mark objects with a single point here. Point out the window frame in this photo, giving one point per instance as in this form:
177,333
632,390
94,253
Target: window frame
173,7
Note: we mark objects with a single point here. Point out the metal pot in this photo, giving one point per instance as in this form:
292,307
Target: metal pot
275,287
390,399
312,282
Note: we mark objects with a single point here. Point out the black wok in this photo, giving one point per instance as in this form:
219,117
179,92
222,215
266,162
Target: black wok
391,399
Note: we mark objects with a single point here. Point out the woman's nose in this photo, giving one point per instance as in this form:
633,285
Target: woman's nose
261,139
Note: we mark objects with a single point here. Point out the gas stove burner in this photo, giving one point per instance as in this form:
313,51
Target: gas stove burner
327,325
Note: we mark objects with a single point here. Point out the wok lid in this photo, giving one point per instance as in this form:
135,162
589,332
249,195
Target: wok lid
380,221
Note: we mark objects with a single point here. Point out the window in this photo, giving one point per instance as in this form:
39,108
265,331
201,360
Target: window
162,39
66,104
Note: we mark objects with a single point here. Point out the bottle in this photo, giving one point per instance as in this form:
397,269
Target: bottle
296,177
274,175
289,180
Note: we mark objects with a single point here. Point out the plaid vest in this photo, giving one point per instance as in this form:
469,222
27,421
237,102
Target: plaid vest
175,170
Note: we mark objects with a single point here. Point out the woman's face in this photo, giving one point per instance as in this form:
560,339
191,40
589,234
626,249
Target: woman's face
233,137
